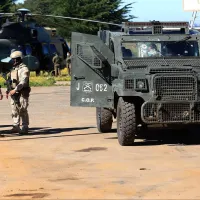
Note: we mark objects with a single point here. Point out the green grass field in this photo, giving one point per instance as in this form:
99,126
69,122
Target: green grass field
44,79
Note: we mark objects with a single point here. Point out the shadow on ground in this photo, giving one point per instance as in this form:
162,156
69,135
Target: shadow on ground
150,137
3,126
161,136
43,132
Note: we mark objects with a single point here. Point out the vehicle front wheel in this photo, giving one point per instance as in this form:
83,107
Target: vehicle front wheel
126,122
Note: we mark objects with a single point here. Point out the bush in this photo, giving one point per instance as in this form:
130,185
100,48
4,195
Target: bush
62,78
32,74
64,72
2,81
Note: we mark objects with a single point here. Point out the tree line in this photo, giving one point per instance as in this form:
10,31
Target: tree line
102,10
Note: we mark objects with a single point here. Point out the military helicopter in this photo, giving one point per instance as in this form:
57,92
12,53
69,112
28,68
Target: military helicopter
37,44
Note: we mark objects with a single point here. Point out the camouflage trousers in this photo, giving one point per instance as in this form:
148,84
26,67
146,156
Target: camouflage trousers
57,69
69,68
19,111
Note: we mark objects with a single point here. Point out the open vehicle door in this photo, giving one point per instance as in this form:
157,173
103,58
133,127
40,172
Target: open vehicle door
90,72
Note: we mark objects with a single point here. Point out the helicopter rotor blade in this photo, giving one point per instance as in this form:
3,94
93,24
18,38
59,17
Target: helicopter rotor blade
49,22
6,14
74,18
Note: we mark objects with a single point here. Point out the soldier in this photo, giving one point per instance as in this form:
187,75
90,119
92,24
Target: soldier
68,61
152,50
1,95
19,93
57,64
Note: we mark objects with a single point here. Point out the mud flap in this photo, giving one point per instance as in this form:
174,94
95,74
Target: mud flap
91,81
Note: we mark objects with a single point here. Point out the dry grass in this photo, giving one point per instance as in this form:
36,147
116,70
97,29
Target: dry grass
64,72
42,81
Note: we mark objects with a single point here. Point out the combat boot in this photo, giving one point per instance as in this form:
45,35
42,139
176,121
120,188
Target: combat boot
15,129
24,130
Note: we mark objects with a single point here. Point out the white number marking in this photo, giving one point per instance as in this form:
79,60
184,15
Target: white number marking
101,87
78,86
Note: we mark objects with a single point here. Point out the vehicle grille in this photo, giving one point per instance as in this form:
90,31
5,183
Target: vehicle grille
129,84
180,112
152,62
179,87
170,70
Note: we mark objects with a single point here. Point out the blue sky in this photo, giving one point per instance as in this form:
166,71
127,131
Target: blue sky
163,10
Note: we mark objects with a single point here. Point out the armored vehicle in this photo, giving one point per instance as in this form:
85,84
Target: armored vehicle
147,73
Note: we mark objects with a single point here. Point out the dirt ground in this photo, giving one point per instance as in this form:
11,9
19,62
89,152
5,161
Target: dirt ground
64,157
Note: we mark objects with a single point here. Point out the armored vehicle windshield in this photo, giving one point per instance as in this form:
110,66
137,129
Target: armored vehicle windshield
160,49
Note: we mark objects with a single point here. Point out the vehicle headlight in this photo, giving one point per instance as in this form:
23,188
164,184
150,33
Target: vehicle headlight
141,84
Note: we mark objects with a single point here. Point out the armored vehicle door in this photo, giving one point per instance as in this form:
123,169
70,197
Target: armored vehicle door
90,71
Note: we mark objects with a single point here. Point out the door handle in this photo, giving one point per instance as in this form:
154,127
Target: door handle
79,77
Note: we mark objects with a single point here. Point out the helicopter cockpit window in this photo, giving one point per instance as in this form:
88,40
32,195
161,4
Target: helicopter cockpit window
45,49
28,49
53,48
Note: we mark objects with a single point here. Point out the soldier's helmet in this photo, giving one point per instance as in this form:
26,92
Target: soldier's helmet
16,54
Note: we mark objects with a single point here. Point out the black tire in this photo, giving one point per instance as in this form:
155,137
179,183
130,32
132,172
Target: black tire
104,120
126,122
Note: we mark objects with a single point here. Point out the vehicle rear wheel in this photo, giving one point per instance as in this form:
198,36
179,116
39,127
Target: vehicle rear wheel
104,120
126,122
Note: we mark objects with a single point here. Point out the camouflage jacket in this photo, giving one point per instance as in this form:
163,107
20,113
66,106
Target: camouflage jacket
20,77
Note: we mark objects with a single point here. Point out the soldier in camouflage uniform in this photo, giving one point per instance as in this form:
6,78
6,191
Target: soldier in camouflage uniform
68,61
57,64
1,95
20,93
